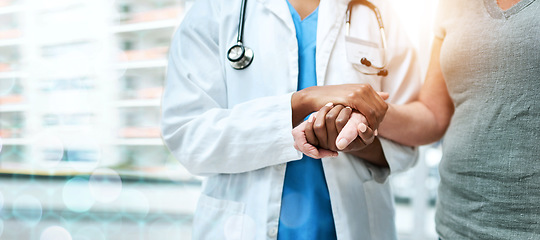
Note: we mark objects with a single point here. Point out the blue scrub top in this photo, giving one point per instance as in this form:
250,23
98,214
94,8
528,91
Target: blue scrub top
305,204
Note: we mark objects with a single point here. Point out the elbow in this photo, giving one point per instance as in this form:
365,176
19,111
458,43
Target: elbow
438,131
190,163
174,144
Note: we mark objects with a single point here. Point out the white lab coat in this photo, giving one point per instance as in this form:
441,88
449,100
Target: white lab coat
234,126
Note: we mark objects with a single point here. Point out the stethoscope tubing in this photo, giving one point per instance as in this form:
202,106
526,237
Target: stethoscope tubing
377,13
241,22
246,54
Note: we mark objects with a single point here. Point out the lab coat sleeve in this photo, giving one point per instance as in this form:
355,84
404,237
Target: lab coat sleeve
403,84
199,128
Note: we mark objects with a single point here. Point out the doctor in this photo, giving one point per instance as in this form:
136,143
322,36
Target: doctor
234,126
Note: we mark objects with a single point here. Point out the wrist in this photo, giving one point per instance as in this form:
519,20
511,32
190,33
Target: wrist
301,106
386,124
372,153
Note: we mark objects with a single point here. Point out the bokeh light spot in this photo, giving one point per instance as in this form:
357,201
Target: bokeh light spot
297,214
89,233
27,209
133,201
433,157
77,195
55,233
105,185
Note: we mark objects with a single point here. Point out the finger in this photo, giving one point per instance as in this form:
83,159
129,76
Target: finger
309,132
366,134
298,134
350,131
319,125
301,144
369,110
331,130
384,95
355,145
327,153
343,118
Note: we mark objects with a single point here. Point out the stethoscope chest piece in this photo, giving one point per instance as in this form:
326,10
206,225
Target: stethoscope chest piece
240,57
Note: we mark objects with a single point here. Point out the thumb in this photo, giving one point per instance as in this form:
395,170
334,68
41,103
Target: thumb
384,95
347,134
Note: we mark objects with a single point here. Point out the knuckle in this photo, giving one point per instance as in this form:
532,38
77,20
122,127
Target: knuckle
367,87
318,126
360,91
330,117
341,122
372,113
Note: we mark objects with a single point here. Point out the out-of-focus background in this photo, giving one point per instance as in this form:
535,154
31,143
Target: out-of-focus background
80,150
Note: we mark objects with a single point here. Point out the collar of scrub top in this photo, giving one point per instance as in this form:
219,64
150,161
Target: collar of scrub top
380,70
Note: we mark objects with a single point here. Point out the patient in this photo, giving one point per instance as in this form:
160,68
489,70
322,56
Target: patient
485,78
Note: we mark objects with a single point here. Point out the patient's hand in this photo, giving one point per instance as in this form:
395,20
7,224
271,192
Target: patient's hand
333,129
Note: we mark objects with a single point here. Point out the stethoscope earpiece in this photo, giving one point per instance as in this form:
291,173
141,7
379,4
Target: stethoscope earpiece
382,72
381,69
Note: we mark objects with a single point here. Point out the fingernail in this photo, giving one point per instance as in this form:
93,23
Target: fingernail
329,104
348,107
342,143
362,127
376,132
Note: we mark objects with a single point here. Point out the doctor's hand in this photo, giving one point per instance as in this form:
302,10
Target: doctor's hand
361,97
332,129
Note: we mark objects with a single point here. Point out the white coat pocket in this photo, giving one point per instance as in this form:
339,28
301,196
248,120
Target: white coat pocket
222,219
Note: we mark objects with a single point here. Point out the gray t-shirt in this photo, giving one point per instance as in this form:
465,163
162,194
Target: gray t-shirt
490,171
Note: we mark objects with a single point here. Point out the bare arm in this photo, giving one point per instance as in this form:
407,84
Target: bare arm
425,120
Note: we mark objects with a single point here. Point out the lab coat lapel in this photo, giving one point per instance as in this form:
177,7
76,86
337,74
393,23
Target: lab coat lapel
281,10
331,19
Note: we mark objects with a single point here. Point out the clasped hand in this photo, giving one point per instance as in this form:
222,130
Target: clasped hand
334,128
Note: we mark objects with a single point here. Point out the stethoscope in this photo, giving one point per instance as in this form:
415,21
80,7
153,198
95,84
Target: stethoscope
240,56
379,70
